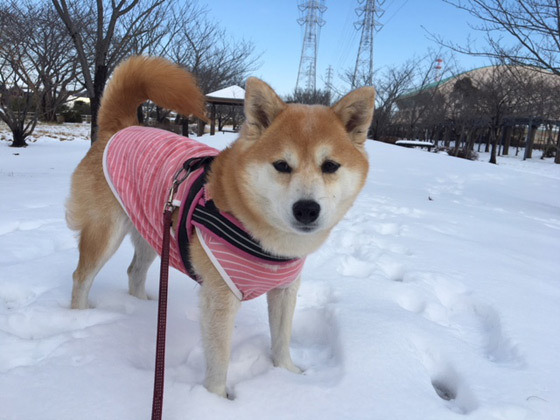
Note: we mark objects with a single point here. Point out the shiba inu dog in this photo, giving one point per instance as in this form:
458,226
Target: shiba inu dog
289,178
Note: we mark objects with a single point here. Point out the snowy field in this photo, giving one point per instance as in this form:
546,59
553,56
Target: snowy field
437,297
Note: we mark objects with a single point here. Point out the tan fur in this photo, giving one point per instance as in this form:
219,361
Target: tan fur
243,182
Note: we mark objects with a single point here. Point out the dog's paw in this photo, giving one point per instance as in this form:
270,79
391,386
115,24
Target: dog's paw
219,390
294,369
139,294
81,305
288,365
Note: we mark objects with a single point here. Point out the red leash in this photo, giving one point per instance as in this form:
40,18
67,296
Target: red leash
159,374
157,405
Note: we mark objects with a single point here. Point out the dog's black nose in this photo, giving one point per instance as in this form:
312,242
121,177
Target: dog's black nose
306,211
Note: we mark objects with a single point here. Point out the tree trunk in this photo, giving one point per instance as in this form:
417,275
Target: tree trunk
99,82
410,132
500,143
19,139
185,126
557,157
470,143
47,108
201,124
520,133
458,142
446,137
213,120
94,102
494,142
529,143
548,144
507,139
373,129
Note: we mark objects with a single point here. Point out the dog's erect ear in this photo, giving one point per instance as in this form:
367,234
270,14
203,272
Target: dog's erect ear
262,105
355,110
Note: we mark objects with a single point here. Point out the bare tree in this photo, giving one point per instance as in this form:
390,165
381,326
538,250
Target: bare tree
538,102
419,106
520,32
498,97
50,54
525,32
103,34
18,82
464,114
229,115
495,99
310,97
208,51
38,65
390,85
18,103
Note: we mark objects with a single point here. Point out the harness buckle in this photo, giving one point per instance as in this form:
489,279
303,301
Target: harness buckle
178,179
181,175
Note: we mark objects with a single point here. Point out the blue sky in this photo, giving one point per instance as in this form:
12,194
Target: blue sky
272,27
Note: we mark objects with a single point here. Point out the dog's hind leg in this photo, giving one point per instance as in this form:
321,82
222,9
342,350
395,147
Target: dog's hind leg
281,305
144,256
98,242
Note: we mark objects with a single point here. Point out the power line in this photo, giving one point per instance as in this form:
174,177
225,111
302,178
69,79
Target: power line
347,39
387,20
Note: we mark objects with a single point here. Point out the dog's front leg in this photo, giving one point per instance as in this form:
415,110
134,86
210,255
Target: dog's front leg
218,309
281,305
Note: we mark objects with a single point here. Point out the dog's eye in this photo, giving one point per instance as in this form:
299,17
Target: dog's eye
282,166
330,167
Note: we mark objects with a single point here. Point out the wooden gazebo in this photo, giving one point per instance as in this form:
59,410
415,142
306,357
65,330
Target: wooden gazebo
233,95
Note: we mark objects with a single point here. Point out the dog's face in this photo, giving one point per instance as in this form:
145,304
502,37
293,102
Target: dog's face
304,172
301,167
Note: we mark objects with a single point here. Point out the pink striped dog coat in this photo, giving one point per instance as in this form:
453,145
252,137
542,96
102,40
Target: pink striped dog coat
140,163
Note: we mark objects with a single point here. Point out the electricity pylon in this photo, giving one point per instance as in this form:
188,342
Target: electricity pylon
368,11
312,17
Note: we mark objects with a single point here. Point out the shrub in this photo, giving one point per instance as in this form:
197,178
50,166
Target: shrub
72,116
82,107
549,151
463,154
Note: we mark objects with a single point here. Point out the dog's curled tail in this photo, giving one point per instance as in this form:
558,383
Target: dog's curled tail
141,78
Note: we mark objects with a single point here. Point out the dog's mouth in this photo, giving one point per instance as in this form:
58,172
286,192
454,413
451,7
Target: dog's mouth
305,227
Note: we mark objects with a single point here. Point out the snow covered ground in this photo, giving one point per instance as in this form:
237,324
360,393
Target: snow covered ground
437,297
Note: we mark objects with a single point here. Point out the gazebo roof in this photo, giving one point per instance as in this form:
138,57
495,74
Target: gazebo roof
230,95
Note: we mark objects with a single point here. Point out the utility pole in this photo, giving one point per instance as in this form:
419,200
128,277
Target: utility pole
329,79
312,18
368,12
